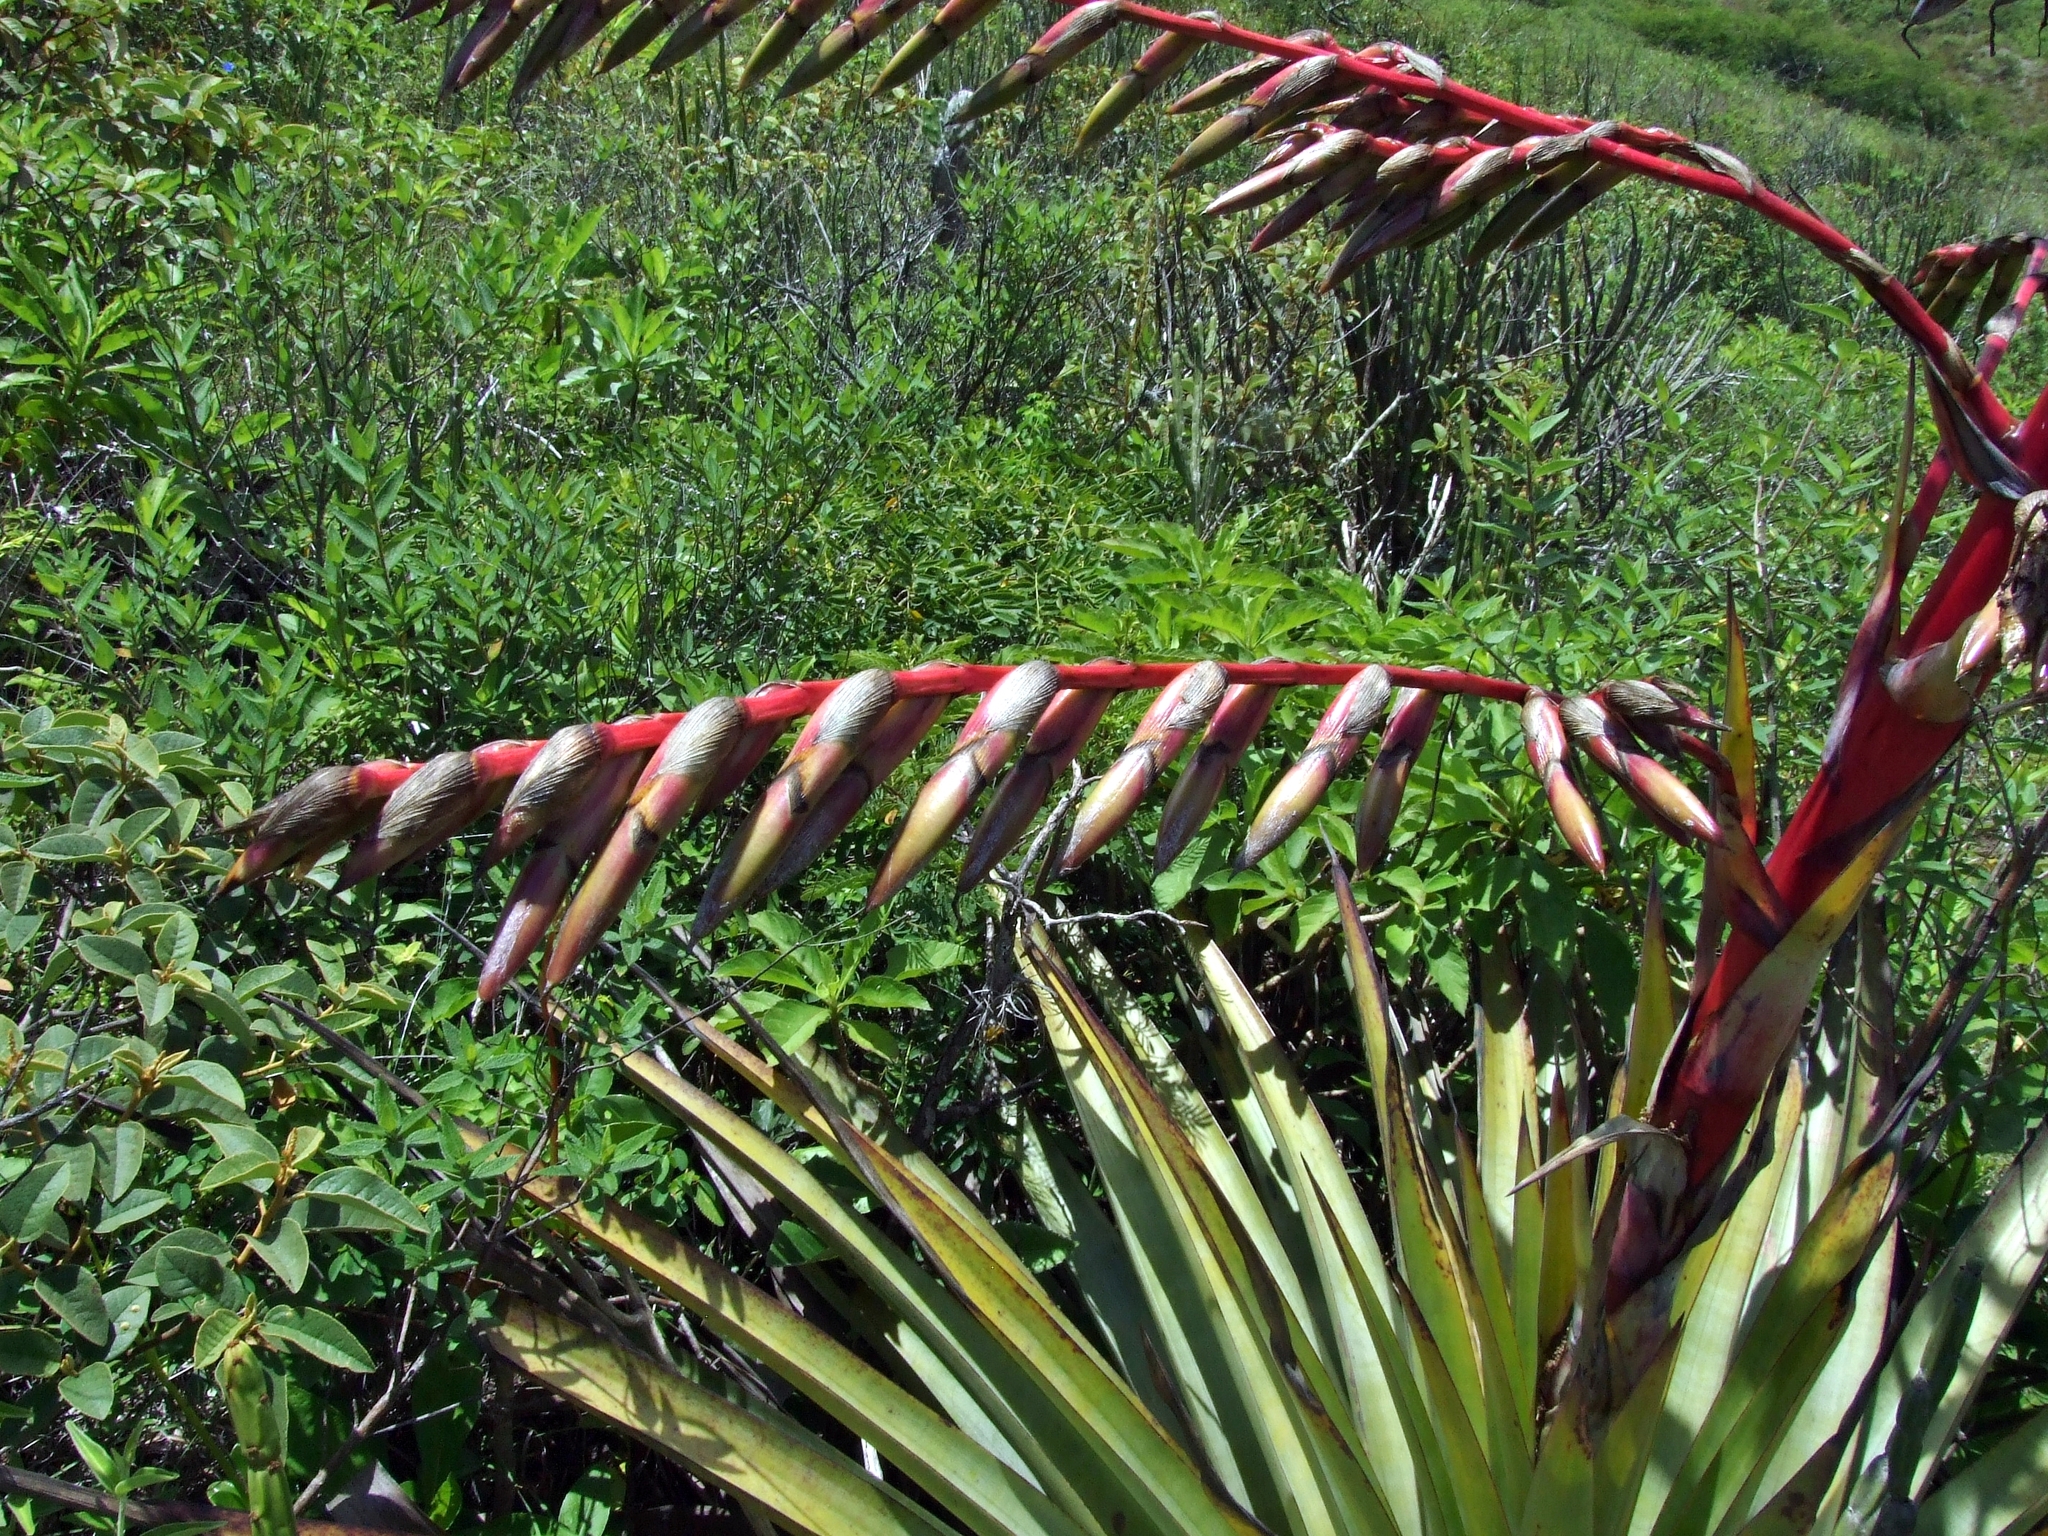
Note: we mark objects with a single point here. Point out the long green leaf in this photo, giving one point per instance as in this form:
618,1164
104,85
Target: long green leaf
1507,1087
1192,1338
1077,1468
1272,1224
1653,1022
1319,1492
1784,1347
1434,1482
1096,1259
2004,1492
1439,1295
976,1486
1713,1312
1152,1476
1835,1393
2008,1241
805,1484
1314,1164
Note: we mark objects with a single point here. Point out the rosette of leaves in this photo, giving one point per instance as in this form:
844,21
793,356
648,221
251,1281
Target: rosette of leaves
1216,1328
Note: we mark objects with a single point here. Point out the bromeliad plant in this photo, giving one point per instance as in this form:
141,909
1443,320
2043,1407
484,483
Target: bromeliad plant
1232,1350
1659,1333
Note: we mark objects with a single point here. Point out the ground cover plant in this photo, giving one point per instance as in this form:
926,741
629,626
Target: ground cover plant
334,1143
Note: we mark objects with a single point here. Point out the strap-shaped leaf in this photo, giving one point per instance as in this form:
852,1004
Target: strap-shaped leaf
1838,1388
2008,1242
2002,1493
1076,1469
1191,1338
1713,1305
1507,1086
804,1483
1266,1210
1299,1136
1321,1487
1785,1347
1560,1501
1435,1484
1096,1259
1510,1418
1439,1294
970,1482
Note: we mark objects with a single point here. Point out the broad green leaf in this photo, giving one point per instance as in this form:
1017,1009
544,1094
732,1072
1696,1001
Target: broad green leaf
1836,1391
1873,1031
216,1332
156,998
1473,1489
69,847
1184,1330
113,954
925,957
1146,1466
1507,1089
130,1208
246,1156
209,1077
29,1352
1268,1211
886,992
367,1201
1624,1452
288,980
183,1263
241,1141
285,1252
128,1306
29,1210
1735,1486
177,941
325,1338
760,965
1561,1494
251,1168
121,1148
70,1291
802,1483
90,1391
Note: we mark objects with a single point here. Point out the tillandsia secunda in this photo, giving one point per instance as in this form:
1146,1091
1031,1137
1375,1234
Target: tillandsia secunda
1432,155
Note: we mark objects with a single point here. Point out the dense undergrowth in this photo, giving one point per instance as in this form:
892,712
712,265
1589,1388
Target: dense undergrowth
340,421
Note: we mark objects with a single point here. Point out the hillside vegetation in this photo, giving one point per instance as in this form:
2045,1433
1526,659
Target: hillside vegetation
340,420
